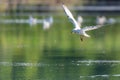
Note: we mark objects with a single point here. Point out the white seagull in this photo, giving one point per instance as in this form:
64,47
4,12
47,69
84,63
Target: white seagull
77,29
47,22
79,20
101,20
32,21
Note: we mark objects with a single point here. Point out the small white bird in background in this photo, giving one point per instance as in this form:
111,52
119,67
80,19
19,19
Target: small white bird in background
111,21
101,20
79,20
47,22
77,29
32,21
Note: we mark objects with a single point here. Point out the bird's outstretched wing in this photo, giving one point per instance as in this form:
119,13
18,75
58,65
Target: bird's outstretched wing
88,28
70,16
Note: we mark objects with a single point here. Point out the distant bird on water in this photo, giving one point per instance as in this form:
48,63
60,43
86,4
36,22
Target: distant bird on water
79,20
47,22
77,29
32,21
101,20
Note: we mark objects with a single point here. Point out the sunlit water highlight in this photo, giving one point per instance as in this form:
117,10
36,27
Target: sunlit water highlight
77,63
61,66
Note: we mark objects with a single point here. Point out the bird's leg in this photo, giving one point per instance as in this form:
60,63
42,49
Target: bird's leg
81,38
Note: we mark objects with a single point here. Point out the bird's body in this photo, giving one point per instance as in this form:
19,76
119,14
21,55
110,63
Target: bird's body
79,20
77,27
47,22
101,20
32,21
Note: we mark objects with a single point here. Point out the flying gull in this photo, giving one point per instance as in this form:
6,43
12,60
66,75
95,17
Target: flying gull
77,27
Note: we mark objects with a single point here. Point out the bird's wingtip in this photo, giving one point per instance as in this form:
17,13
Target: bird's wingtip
62,3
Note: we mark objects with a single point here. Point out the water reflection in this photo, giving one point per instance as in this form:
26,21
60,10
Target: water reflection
33,54
64,68
76,63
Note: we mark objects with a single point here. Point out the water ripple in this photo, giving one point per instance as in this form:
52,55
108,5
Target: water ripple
102,76
76,63
22,64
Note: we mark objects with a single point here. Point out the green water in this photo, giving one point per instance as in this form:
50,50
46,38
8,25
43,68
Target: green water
30,53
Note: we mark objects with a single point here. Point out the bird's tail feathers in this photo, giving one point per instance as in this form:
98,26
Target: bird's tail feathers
86,35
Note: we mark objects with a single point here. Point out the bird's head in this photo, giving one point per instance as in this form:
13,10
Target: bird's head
73,32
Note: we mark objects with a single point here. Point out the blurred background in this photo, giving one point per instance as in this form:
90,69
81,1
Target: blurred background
36,41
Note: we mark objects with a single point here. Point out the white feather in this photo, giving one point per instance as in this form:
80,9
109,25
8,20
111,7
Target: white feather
71,18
